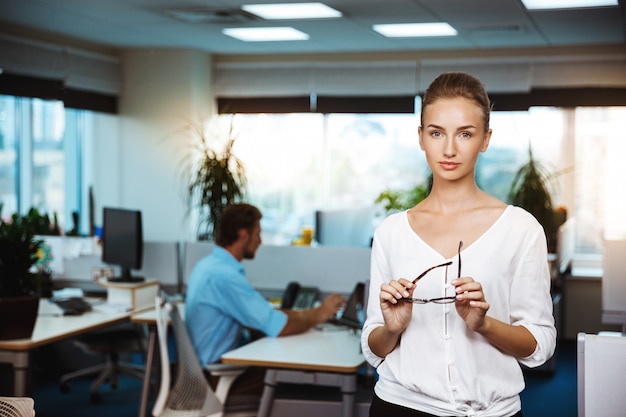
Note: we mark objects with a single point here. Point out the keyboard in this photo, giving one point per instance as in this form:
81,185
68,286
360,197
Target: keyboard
73,306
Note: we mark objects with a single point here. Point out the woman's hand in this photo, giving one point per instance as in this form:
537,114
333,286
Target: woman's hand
470,302
396,313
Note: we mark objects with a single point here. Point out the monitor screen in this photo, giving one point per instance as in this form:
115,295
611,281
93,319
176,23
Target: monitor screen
122,242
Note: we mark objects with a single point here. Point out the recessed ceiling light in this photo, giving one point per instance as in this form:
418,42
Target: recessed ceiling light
291,11
266,34
566,4
415,30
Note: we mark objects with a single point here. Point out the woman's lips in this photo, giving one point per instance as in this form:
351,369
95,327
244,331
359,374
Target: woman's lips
448,165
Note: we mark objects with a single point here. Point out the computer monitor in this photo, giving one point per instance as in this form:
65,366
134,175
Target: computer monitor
122,242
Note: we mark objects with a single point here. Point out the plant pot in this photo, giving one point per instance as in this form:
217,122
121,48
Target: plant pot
18,316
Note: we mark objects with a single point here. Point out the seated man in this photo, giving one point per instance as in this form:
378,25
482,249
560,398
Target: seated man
221,303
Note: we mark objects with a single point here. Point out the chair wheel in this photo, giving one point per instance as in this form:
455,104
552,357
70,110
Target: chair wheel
65,388
95,398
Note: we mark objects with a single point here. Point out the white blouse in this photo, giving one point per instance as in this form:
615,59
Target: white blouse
440,366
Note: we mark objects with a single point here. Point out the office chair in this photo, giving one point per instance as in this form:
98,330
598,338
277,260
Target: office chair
601,375
17,407
191,394
109,344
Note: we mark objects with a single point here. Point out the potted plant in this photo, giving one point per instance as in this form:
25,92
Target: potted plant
20,286
530,190
213,178
395,200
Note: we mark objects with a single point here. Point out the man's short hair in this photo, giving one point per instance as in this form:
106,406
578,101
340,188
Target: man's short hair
235,217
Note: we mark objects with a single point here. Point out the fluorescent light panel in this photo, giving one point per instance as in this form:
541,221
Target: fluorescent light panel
566,4
415,30
291,11
266,34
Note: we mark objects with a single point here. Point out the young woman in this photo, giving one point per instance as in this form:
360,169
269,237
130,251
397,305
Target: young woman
460,287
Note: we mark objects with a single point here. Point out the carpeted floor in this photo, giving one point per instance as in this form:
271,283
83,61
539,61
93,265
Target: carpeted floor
547,393
553,394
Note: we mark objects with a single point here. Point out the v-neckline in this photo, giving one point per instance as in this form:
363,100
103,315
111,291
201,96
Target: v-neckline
466,245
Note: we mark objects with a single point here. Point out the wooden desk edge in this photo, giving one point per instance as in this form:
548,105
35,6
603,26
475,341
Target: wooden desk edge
27,344
19,345
296,366
127,285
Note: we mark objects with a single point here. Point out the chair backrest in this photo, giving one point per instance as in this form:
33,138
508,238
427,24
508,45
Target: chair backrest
601,375
17,407
190,395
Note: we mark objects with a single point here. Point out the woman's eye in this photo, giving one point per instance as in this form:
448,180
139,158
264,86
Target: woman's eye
436,134
466,135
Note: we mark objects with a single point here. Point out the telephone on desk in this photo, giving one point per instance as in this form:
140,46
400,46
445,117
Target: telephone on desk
298,297
352,315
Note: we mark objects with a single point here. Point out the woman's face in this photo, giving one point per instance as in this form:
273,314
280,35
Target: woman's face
452,135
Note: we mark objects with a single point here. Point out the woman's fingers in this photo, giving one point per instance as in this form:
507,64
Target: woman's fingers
395,290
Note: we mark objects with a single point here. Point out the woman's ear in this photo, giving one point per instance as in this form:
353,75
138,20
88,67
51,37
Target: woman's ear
486,140
419,135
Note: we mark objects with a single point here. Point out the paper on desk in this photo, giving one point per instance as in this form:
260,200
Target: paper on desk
68,293
108,307
49,309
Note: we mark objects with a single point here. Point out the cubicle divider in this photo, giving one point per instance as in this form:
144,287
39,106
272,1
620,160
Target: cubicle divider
331,269
192,252
161,261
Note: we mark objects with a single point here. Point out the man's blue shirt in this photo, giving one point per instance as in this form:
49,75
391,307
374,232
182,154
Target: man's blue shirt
220,302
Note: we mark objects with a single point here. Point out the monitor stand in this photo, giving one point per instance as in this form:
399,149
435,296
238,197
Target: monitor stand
126,276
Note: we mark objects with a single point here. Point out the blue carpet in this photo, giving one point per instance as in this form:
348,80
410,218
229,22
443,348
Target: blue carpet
553,394
550,394
120,402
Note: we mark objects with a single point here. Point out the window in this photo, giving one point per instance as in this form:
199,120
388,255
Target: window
40,157
600,173
299,163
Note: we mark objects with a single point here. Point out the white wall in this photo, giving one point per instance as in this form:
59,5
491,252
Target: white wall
163,90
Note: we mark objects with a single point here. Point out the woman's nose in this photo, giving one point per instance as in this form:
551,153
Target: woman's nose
450,148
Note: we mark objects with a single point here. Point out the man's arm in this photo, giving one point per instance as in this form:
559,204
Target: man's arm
299,321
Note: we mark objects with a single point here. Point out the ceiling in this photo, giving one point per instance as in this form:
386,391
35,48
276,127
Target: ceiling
481,24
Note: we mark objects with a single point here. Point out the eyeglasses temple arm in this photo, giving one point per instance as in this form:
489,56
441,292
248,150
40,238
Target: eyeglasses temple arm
430,269
460,246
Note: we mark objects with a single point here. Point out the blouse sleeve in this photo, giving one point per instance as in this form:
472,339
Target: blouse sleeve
531,301
374,317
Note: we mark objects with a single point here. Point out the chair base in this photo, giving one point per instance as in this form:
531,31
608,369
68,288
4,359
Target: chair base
107,372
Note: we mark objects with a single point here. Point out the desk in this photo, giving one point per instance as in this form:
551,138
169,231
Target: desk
50,328
322,357
330,357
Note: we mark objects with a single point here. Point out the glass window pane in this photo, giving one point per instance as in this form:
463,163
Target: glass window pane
8,155
369,153
283,157
539,128
48,176
600,176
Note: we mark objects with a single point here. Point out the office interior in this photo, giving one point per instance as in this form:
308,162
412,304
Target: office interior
141,91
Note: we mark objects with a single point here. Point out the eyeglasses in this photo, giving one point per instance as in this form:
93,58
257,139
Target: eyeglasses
439,300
